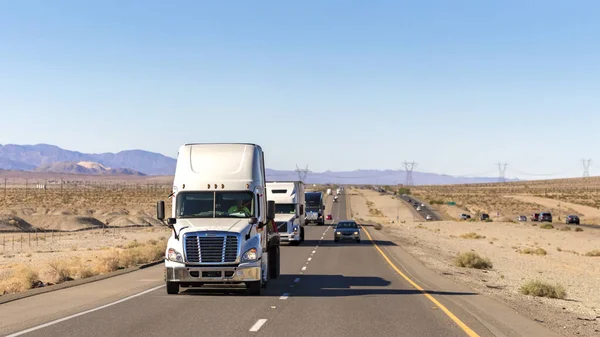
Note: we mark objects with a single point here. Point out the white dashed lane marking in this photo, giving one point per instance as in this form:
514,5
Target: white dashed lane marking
310,258
304,268
284,296
258,325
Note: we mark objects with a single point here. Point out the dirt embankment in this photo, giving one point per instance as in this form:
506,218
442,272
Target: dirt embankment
519,252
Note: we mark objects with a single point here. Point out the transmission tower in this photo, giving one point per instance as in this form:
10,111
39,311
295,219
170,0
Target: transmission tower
586,167
302,173
502,172
409,167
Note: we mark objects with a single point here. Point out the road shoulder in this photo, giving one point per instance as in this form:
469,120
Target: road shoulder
497,317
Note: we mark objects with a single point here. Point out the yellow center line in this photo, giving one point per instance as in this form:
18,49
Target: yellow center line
449,313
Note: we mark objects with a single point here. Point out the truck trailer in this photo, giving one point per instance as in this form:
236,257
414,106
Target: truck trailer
289,209
222,224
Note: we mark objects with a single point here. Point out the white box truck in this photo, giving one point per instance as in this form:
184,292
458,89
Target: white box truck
289,209
221,221
329,191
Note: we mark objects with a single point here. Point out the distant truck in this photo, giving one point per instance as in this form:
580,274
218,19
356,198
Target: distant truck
314,207
329,191
289,209
221,222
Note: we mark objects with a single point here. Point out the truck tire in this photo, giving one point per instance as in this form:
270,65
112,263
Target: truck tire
255,288
274,263
172,288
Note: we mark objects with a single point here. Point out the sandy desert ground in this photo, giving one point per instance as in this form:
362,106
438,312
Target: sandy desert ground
77,227
513,250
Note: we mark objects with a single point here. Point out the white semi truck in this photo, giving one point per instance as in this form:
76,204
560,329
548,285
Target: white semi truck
289,209
221,221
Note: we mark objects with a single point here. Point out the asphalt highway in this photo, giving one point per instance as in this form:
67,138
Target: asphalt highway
424,210
325,289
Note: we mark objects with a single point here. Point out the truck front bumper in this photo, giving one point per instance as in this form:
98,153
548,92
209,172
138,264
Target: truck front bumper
244,272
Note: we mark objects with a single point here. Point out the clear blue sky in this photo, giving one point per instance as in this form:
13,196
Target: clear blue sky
453,85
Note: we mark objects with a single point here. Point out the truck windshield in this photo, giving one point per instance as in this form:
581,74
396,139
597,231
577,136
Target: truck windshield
215,205
285,208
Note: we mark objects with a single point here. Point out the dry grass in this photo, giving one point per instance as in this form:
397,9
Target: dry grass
472,235
543,289
372,210
530,251
472,260
76,267
594,252
546,226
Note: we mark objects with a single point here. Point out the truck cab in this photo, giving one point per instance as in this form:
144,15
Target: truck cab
289,209
222,224
314,207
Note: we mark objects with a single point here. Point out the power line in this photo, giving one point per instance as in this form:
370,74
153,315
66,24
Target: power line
502,172
586,167
409,167
302,173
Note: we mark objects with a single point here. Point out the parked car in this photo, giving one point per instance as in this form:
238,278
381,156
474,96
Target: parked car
572,219
535,217
484,216
521,218
418,208
428,217
545,217
465,216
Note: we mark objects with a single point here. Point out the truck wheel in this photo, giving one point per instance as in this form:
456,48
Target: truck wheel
172,288
274,263
254,287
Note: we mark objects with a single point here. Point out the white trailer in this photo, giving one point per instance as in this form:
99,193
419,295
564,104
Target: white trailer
221,221
289,209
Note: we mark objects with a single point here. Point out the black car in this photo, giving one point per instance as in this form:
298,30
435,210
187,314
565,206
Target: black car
545,217
484,216
572,219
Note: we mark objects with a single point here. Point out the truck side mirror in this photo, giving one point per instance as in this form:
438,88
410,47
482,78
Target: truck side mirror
160,210
171,221
301,209
271,209
253,220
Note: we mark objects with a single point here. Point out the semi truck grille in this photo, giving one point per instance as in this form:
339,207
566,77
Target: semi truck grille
282,226
211,249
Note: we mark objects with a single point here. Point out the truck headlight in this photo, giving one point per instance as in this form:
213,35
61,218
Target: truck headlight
250,255
339,233
296,230
174,255
355,233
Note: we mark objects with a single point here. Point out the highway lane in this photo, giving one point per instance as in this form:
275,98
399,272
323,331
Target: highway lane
326,289
348,289
424,210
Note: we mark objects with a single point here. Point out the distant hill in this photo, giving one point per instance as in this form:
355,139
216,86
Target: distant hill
53,159
28,157
378,177
85,168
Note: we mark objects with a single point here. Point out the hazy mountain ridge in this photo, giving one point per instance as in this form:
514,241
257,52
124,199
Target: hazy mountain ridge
29,157
378,177
53,159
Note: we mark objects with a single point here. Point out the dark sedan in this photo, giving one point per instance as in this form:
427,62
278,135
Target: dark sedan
346,230
572,219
